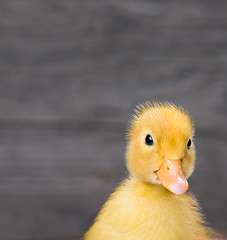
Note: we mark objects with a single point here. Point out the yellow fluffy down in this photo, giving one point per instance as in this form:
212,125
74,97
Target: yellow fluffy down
141,208
143,211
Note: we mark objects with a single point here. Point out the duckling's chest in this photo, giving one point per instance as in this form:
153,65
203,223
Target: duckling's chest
149,214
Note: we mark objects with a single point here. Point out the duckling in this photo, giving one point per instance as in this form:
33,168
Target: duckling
153,202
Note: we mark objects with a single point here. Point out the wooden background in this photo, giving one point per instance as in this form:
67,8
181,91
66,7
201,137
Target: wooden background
71,73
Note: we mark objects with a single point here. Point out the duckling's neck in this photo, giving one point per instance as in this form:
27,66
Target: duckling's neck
149,188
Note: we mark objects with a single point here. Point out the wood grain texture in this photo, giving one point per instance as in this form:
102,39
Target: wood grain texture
71,73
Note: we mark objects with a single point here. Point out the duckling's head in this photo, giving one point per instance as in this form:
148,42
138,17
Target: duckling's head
160,146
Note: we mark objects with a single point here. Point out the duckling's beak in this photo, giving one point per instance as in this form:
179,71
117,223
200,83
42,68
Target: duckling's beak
171,176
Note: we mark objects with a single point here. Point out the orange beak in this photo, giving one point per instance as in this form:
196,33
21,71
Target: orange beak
171,176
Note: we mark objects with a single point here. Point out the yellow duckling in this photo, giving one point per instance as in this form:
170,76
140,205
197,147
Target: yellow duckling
152,204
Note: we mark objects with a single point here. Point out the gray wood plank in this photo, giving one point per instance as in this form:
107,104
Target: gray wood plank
166,13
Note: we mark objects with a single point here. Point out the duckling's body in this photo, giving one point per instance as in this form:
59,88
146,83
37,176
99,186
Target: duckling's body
143,211
152,203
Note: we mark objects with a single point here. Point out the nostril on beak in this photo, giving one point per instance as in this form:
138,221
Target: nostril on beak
155,171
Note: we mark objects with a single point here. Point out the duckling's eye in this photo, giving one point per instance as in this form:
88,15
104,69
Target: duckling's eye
189,143
149,140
